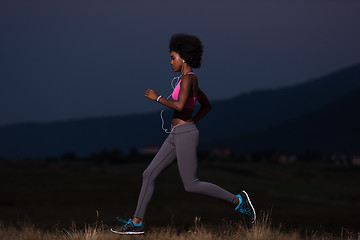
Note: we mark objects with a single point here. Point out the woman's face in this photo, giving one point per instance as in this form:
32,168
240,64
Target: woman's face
176,61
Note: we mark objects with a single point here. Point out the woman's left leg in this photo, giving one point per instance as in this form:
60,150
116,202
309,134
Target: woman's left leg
186,144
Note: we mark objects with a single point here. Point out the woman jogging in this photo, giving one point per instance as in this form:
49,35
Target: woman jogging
182,142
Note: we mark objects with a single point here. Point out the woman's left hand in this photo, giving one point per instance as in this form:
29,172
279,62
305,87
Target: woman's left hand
151,94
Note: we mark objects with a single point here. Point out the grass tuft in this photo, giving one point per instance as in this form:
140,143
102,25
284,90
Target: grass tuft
262,229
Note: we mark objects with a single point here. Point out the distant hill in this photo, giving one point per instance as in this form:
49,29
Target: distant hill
83,136
263,119
333,127
261,109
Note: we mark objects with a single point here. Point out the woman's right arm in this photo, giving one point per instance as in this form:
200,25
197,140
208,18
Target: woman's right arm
205,106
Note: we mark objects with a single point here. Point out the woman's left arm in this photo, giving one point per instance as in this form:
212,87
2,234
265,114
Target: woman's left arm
179,104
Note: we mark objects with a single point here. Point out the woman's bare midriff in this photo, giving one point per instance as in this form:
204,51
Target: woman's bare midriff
185,116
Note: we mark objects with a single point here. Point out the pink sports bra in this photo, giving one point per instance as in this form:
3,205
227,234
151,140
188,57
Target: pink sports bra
191,102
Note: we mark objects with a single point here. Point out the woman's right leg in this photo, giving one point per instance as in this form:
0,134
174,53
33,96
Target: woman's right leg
164,157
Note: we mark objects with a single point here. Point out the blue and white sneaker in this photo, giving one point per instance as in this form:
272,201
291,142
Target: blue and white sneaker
245,206
129,227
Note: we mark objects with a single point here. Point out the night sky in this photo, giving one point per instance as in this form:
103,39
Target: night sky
71,59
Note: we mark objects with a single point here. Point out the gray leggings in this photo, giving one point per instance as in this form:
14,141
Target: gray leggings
181,144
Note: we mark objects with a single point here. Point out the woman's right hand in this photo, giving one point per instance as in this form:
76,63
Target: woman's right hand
151,94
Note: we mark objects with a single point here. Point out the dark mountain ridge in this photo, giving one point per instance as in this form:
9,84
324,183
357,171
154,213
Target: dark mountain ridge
231,122
331,128
260,109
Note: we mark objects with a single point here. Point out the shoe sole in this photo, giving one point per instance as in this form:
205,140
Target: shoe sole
247,196
127,233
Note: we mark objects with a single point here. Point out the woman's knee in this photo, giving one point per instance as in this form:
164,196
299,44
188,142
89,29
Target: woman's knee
146,174
190,187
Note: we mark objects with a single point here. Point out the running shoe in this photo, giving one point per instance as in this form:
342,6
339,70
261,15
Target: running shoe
245,206
129,227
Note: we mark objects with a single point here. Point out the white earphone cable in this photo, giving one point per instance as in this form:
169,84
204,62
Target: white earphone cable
162,119
173,87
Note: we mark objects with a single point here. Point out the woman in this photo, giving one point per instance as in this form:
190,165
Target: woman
181,144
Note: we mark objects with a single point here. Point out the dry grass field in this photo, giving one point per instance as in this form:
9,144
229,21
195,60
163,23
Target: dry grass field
80,200
261,230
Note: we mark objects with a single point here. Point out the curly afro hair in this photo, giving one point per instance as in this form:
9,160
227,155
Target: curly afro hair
189,47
